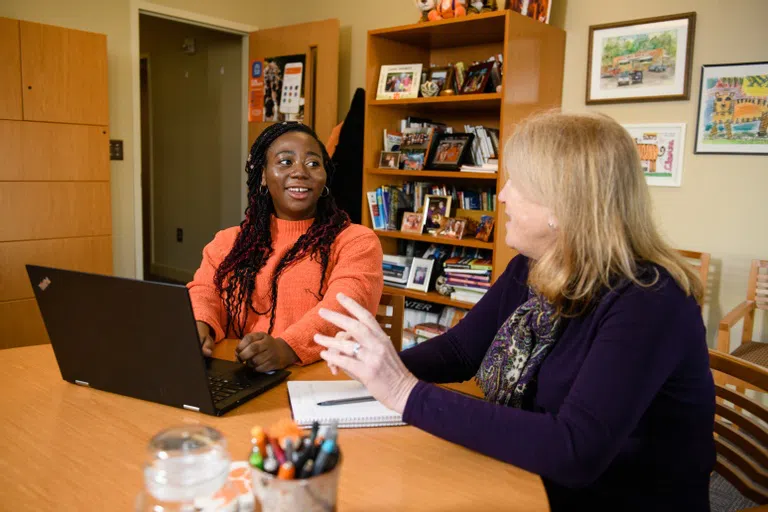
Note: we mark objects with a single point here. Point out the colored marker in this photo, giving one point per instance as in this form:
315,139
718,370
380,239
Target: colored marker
279,455
287,471
270,463
259,438
256,459
306,471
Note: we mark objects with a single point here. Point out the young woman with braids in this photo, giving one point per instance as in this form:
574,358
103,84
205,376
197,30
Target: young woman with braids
265,280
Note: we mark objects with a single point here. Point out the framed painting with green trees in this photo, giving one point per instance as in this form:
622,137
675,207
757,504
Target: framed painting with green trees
641,60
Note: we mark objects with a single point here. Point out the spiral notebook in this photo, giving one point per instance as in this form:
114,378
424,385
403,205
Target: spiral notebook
306,394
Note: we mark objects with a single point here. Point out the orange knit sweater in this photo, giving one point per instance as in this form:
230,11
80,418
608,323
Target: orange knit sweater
354,268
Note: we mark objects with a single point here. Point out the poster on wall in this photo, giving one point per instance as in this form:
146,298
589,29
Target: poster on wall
284,88
733,109
661,151
256,92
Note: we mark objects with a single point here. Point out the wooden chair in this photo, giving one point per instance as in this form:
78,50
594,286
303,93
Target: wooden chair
740,435
700,262
757,298
390,317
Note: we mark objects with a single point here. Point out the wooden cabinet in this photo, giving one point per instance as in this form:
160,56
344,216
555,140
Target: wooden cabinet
63,75
10,70
54,164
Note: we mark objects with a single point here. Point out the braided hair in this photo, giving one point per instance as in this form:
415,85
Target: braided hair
235,278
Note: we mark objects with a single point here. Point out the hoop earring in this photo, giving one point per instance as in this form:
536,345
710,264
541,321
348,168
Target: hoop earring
263,190
326,192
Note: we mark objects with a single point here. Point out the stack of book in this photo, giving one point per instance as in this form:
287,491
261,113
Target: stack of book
470,278
396,270
485,149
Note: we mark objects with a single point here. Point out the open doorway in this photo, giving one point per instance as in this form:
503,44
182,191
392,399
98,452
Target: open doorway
191,89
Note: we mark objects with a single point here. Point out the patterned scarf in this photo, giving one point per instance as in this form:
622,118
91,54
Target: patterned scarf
512,362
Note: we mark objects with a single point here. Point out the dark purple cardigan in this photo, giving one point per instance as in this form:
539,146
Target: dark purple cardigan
623,409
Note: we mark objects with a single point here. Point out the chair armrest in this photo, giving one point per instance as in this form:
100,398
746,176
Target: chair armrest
736,314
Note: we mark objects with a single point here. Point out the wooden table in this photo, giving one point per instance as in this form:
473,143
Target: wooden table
65,447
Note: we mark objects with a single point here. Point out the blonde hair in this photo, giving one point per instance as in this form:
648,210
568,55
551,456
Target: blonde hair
586,169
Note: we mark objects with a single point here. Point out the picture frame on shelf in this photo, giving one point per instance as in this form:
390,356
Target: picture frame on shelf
413,222
443,77
732,112
647,59
420,274
477,78
485,228
450,151
389,160
453,228
536,9
436,209
413,159
661,147
399,81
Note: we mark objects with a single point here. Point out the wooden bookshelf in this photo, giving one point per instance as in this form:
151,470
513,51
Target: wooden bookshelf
533,56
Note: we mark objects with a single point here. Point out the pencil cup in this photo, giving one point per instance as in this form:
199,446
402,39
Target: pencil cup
315,494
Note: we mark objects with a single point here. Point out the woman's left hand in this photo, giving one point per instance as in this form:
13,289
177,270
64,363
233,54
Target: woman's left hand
265,353
376,364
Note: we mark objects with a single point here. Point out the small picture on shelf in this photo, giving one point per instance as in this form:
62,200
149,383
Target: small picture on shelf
477,78
413,159
453,228
400,81
459,74
413,222
389,160
443,77
421,272
436,209
485,228
451,150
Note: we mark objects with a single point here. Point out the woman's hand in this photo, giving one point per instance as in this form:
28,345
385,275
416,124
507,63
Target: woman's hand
376,365
206,340
264,352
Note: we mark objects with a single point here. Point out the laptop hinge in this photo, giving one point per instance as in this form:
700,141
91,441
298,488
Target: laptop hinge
82,383
191,408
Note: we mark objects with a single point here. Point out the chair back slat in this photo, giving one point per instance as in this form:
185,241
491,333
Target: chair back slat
389,315
739,431
740,481
743,401
700,263
760,283
744,442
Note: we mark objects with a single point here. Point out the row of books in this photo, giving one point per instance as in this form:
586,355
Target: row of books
467,198
485,147
424,320
470,278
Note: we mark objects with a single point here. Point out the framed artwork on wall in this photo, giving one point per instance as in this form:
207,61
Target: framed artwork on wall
661,148
647,59
733,109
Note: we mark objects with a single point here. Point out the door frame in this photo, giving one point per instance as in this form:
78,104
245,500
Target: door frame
138,7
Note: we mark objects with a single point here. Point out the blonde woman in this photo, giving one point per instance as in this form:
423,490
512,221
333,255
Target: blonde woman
590,347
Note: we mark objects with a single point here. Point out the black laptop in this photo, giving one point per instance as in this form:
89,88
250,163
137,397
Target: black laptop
138,339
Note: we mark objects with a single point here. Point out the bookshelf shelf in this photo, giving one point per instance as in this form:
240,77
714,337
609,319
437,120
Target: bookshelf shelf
427,297
434,174
465,242
533,54
462,101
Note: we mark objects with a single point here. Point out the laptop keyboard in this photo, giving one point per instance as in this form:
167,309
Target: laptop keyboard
223,387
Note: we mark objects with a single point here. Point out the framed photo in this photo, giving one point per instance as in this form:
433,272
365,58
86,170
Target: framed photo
485,228
641,60
436,210
421,272
661,148
400,81
450,151
477,78
443,77
453,228
389,160
733,113
413,159
536,9
413,222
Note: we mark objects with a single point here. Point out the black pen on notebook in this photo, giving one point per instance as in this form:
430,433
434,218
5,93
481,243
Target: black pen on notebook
343,401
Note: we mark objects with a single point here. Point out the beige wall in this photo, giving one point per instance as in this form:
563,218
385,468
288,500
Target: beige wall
196,132
720,207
